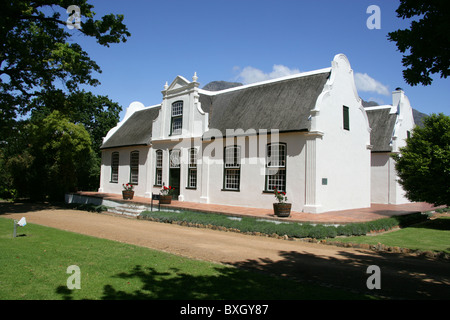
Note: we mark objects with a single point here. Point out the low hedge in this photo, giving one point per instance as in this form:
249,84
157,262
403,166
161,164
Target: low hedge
289,229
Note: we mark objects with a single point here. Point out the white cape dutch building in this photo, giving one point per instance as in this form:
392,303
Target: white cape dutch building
306,134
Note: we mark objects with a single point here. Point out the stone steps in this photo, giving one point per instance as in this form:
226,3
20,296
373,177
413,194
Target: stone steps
126,209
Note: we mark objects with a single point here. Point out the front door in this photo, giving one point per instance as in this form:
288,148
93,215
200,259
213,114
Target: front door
174,172
174,181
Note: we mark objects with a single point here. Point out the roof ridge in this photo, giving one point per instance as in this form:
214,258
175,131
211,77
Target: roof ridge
378,107
260,83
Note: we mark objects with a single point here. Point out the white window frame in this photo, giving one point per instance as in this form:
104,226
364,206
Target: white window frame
115,163
232,168
134,167
176,125
158,167
276,167
192,168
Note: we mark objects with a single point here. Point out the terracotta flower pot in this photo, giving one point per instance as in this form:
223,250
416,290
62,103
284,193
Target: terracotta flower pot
165,199
127,195
282,209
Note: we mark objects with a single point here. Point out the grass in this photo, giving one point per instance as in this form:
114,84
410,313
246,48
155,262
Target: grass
431,235
34,265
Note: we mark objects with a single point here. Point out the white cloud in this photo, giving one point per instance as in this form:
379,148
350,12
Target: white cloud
367,84
251,75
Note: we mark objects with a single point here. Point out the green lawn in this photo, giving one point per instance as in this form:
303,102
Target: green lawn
34,265
432,235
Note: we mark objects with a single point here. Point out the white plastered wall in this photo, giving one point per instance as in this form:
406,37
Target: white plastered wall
385,186
342,156
124,170
252,179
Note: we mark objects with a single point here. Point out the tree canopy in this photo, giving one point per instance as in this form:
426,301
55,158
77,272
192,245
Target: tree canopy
36,51
426,44
423,166
59,158
98,114
50,128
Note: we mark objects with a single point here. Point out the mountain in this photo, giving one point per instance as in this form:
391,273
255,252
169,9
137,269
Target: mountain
221,85
369,103
418,116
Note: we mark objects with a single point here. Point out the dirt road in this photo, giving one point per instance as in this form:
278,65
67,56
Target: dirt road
402,276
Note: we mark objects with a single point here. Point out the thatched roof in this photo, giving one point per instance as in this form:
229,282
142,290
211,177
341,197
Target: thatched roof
284,105
382,123
136,131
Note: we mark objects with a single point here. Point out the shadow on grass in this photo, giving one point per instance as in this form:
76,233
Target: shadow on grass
435,224
296,276
66,293
402,276
175,285
228,283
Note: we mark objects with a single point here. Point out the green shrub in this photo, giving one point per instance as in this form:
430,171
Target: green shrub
291,229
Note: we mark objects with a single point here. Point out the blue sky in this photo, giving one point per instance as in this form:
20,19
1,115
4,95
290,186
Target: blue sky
249,40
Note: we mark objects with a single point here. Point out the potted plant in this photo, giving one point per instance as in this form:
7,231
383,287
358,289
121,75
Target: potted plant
127,192
166,195
281,208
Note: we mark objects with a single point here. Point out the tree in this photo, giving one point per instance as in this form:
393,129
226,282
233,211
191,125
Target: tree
37,56
427,41
61,157
35,51
98,114
423,166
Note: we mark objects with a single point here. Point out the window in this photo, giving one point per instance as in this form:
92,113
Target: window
159,165
192,169
346,118
232,168
134,167
276,167
177,118
115,167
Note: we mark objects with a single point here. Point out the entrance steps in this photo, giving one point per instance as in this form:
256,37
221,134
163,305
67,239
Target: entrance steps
128,209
